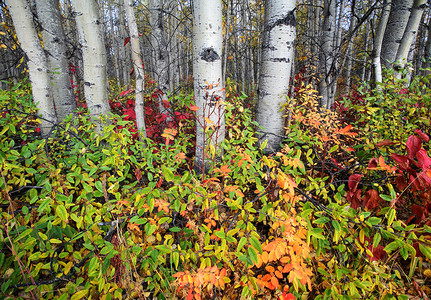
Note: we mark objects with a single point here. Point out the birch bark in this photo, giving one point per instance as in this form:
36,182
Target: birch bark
277,59
94,56
37,62
55,45
139,70
326,57
398,18
207,75
378,40
409,35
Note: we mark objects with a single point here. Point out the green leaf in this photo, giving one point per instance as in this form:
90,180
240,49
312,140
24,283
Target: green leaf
373,221
317,232
334,148
220,234
2,256
256,244
376,239
99,186
241,243
321,220
425,250
175,229
169,175
252,253
61,212
43,205
176,259
391,216
391,247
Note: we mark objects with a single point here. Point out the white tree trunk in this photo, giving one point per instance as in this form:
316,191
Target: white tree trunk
137,65
125,49
378,40
409,35
160,52
277,58
398,18
48,12
207,75
37,62
326,58
94,56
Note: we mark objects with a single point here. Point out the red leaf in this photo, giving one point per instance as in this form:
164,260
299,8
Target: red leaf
159,183
354,181
354,199
378,253
373,163
419,212
423,159
413,145
371,199
401,183
423,136
385,143
286,296
126,41
402,161
138,174
132,71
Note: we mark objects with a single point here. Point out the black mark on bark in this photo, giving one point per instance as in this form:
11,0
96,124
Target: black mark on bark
288,20
282,59
209,55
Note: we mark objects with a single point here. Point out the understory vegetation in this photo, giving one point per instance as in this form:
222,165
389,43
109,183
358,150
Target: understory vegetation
342,211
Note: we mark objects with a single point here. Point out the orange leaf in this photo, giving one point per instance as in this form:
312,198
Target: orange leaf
287,268
267,277
345,129
270,269
194,108
278,274
274,282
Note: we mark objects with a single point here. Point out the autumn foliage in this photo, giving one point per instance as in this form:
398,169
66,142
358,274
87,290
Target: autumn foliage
341,210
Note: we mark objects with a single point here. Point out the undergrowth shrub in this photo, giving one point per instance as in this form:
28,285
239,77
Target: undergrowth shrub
109,216
364,243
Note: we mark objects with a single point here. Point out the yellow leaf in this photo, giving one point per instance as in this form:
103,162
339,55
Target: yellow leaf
79,295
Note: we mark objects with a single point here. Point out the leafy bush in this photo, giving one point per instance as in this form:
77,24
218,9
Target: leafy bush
110,216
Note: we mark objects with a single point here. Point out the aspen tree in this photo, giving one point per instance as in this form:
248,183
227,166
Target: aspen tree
409,35
207,75
137,65
94,56
49,17
398,18
277,59
37,62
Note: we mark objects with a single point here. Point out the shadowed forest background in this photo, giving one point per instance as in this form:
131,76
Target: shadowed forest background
224,149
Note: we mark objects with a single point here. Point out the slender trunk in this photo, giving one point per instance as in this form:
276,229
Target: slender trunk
55,45
428,46
125,47
277,59
159,44
378,40
398,18
409,35
37,62
326,58
208,84
137,66
114,46
94,57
